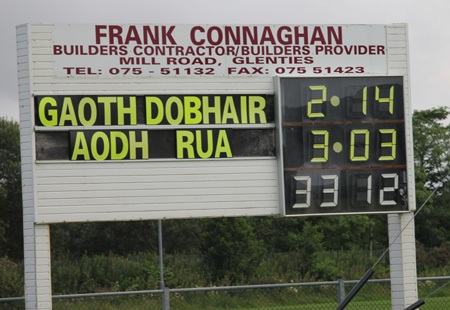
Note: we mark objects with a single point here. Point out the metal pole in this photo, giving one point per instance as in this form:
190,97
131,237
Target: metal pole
416,305
165,299
341,291
355,289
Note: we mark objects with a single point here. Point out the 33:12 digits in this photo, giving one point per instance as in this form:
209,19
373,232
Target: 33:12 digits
365,187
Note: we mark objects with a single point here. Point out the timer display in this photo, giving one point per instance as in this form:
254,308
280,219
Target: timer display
343,145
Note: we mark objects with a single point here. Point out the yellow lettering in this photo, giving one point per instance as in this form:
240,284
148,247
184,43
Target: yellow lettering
389,100
209,110
229,111
209,144
192,115
160,110
142,145
68,113
323,145
391,144
80,147
243,110
253,109
114,136
310,112
184,142
81,111
53,113
107,107
223,146
94,143
122,110
169,115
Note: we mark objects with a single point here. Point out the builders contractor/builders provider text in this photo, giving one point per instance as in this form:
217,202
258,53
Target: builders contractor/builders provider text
218,50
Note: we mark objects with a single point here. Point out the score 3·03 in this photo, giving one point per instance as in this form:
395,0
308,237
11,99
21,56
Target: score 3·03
343,145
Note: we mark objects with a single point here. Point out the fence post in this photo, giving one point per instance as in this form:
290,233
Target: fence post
165,293
341,290
166,298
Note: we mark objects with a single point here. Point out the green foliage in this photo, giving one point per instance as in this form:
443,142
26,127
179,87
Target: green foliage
11,234
104,273
230,248
123,238
432,142
432,164
109,273
434,261
104,237
11,278
309,244
352,231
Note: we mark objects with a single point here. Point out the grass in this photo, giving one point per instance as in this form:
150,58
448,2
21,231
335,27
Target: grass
226,303
436,303
114,273
374,296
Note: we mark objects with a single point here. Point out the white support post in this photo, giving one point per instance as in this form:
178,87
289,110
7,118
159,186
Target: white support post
402,260
38,288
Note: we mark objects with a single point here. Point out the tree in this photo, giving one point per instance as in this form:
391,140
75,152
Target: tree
432,165
11,232
349,232
230,248
431,144
120,238
127,237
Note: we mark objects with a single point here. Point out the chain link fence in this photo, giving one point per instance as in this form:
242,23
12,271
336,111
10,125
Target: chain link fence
439,299
306,296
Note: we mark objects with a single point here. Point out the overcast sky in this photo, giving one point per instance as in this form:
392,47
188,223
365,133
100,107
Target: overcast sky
428,22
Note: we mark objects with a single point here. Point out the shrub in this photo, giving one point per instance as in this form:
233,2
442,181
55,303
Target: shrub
11,278
230,248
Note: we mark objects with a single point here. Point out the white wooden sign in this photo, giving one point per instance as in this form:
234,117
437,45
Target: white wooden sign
218,50
99,101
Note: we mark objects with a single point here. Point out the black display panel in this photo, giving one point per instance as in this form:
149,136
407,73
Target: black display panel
154,144
140,127
343,142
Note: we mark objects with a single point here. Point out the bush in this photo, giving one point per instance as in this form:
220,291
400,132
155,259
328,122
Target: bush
104,273
11,278
433,262
230,248
110,273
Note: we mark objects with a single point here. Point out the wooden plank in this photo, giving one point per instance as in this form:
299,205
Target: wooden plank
130,201
130,216
46,198
147,208
48,183
133,185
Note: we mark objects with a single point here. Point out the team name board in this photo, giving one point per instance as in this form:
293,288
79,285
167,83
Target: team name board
217,50
77,127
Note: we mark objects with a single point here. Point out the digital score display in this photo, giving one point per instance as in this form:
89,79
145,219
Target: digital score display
343,145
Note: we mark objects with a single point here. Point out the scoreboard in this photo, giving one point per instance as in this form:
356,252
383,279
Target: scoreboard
342,145
144,121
